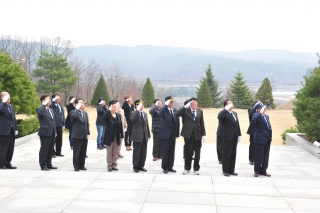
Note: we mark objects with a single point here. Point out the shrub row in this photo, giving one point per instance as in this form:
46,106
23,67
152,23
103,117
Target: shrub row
27,126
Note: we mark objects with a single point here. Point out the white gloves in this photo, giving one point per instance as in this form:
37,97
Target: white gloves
45,102
125,129
72,100
110,108
139,107
78,105
55,135
262,110
188,104
156,104
88,136
203,138
16,132
228,107
63,127
167,102
55,98
101,102
5,98
239,138
128,99
316,143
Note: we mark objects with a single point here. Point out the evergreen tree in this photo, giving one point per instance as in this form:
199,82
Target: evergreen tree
203,94
15,81
213,87
147,95
240,93
100,91
307,106
54,74
264,94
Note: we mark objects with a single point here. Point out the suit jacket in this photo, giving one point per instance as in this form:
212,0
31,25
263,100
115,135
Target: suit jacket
262,130
231,128
69,107
220,129
7,120
169,126
109,132
140,128
251,111
80,127
47,122
60,120
189,125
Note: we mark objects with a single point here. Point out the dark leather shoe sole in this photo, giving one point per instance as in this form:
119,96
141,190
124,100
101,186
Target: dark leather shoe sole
76,170
172,170
226,174
114,169
165,171
60,155
45,169
143,170
136,170
83,168
52,167
11,167
3,167
235,174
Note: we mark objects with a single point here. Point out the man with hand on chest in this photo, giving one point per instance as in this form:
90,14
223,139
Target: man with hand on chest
8,131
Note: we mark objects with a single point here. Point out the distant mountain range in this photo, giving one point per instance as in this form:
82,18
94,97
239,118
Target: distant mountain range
186,65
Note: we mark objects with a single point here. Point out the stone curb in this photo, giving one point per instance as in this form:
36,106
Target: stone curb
293,139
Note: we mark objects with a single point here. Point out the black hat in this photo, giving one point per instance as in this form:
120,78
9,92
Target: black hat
193,99
137,102
169,98
186,101
259,106
155,100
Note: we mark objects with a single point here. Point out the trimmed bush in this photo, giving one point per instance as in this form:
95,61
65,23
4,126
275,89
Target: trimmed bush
27,126
291,130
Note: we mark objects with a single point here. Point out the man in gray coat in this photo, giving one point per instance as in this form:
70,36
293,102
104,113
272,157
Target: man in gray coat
47,133
80,134
156,123
8,130
140,135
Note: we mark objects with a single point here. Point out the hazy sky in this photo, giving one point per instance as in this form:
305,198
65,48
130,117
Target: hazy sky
225,25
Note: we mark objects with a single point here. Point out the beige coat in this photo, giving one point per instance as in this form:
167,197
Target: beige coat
123,120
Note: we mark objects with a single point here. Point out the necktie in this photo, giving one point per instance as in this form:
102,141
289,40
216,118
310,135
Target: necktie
81,115
234,117
50,113
194,115
171,112
266,121
9,110
141,114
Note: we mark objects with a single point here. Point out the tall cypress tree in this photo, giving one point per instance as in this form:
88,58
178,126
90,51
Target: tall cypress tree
15,81
264,94
213,87
203,94
240,93
100,91
147,95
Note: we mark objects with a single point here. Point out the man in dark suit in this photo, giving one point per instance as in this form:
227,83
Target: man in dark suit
140,135
168,132
8,130
251,131
47,133
156,123
262,140
219,141
60,123
194,133
80,134
231,137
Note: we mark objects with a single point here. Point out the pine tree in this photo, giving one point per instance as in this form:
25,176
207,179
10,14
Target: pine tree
203,94
307,106
15,81
54,74
147,95
100,91
264,94
240,93
213,87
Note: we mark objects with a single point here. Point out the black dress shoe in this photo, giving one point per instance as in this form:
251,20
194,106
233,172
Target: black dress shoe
60,155
109,169
11,167
3,167
45,169
143,169
76,170
115,169
136,170
226,174
251,162
165,171
235,174
53,156
172,170
52,167
83,168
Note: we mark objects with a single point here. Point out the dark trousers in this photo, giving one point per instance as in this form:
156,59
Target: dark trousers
229,155
167,152
219,147
156,151
79,152
127,135
139,154
6,149
45,153
58,142
192,145
261,158
251,149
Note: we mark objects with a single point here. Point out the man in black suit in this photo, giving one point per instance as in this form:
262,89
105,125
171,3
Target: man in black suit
47,133
194,133
60,123
231,137
168,132
80,134
156,123
8,130
262,140
140,135
251,131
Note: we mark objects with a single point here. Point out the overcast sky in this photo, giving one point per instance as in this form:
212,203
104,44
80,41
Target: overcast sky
225,25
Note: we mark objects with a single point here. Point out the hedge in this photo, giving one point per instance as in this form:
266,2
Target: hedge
27,126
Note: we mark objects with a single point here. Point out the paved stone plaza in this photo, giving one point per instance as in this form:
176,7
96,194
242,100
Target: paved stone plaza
293,187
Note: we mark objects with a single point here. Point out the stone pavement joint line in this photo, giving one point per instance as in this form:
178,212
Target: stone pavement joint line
293,187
